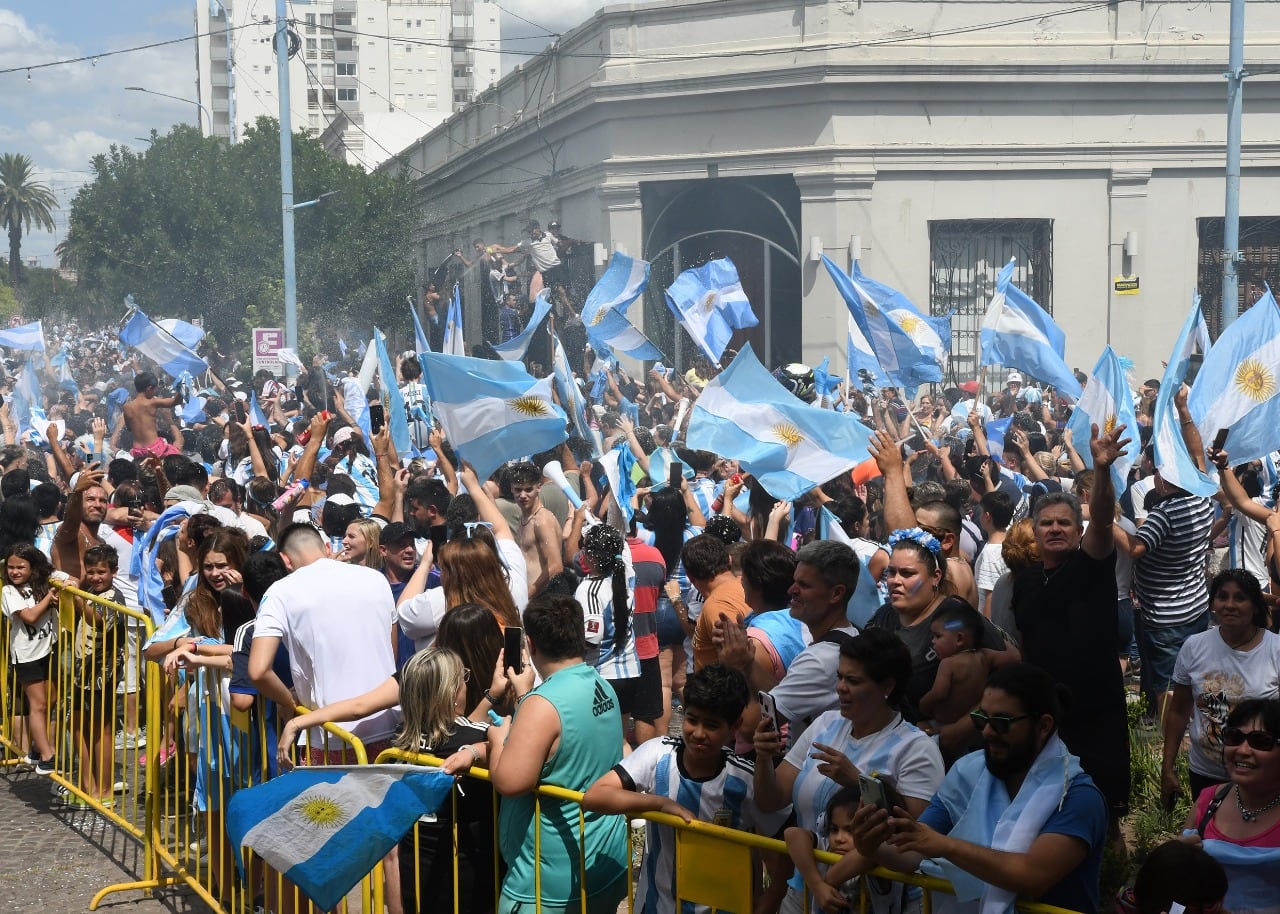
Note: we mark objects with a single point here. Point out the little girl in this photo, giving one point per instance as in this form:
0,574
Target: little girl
27,601
838,827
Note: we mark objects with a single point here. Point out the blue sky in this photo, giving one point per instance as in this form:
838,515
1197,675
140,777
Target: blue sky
64,115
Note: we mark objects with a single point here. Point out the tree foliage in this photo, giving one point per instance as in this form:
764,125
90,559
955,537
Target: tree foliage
191,227
23,203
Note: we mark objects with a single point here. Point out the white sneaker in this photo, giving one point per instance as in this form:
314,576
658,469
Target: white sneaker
136,740
119,739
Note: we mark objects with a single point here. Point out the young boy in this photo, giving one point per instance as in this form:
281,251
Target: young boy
99,665
666,773
957,688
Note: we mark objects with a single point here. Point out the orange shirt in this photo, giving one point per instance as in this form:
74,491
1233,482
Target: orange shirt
726,600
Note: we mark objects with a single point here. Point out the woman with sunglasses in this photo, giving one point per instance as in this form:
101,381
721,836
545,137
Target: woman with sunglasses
1239,822
1216,670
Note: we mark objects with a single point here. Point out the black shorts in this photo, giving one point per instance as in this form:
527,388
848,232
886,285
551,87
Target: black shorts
641,697
93,708
32,671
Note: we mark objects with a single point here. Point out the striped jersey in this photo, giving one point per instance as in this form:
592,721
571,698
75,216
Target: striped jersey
1169,579
612,654
726,798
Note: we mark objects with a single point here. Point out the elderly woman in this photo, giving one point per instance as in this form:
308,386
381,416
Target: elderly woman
1216,670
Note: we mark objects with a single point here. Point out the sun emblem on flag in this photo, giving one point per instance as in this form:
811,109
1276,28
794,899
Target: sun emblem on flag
788,434
1109,425
909,324
322,812
1255,380
709,301
530,406
597,317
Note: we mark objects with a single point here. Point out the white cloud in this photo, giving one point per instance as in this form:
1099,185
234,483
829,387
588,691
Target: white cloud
560,16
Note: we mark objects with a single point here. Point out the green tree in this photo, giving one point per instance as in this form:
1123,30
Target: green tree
23,203
192,228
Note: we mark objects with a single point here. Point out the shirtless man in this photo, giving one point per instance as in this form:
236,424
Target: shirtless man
140,416
86,510
538,533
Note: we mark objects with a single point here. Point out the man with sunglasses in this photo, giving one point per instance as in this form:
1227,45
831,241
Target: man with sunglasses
1018,819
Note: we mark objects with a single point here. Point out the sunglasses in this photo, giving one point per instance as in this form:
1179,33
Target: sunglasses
1001,724
1258,740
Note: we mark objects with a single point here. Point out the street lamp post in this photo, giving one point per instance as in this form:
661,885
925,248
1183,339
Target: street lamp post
176,98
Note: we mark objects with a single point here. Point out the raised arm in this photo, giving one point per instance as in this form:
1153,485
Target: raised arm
1099,540
1234,493
898,514
485,505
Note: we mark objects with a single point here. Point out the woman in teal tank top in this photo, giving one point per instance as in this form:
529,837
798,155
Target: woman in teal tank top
567,732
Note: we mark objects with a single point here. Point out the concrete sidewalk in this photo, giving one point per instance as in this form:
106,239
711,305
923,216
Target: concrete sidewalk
54,860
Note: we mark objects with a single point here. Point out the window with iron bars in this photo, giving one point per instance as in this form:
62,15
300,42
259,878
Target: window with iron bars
1260,266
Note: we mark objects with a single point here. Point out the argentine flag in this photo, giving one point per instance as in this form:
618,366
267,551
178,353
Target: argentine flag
420,343
454,344
790,446
611,332
325,828
911,349
28,402
27,337
491,410
571,396
188,335
624,280
709,303
995,432
397,416
1017,333
1106,402
867,596
863,365
1237,386
161,346
514,349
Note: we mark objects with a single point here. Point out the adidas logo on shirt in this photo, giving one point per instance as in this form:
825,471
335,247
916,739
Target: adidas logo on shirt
603,701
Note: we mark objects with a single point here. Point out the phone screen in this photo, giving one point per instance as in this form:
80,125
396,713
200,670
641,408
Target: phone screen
675,473
377,417
513,648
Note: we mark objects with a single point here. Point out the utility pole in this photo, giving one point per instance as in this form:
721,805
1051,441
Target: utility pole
286,183
1231,221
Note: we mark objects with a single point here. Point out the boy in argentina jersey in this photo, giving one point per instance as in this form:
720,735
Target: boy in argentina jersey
694,776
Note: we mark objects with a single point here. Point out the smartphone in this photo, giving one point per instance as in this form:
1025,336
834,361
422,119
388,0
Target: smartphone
1194,362
769,709
1172,801
873,793
1220,439
241,413
513,648
675,473
377,418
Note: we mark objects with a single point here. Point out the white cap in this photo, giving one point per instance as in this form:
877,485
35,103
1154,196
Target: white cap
1013,378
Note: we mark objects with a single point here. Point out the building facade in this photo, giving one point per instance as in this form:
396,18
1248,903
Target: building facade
368,77
932,140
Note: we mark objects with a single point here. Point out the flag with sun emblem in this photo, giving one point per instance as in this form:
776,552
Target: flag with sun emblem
515,349
1018,333
709,303
1172,457
1237,386
624,280
325,828
1106,402
491,410
790,446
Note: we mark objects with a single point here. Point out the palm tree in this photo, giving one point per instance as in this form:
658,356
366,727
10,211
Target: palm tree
23,203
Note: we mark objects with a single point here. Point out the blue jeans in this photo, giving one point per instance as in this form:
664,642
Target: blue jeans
1159,646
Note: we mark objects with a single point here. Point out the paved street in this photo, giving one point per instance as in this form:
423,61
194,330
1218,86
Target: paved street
54,860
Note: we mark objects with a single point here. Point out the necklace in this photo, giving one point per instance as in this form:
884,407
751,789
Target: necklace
1050,575
524,521
1240,645
1251,815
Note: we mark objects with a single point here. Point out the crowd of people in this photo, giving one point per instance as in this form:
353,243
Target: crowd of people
971,724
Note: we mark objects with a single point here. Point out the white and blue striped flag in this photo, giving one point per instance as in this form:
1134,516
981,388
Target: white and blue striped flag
863,365
1106,402
161,346
420,343
611,333
1172,458
492,410
1017,333
325,828
911,349
28,337
790,446
397,416
623,281
709,303
454,344
27,407
1237,387
867,596
995,431
187,334
571,397
515,349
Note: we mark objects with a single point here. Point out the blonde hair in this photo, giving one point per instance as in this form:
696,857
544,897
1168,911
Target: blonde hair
428,684
371,533
1020,549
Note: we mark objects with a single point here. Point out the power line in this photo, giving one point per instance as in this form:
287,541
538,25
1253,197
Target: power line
102,54
549,32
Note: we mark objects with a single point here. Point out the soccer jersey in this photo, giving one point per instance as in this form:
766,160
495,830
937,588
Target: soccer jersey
364,473
726,798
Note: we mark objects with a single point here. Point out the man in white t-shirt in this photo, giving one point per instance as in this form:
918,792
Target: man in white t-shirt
995,512
336,621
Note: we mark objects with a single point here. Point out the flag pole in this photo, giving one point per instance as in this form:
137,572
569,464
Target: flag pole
982,380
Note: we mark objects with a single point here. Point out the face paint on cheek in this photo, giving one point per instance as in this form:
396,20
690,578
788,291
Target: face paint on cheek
913,586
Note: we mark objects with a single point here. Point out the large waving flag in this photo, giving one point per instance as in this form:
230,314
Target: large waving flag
514,349
397,415
709,303
611,332
454,344
790,446
28,402
878,311
1018,333
420,343
27,337
624,280
159,345
1172,458
1106,402
1237,389
995,431
492,410
571,396
188,335
325,828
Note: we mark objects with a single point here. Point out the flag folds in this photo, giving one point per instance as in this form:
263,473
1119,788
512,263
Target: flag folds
1106,402
491,410
397,416
571,397
612,332
1017,333
27,337
454,344
1237,387
161,346
624,280
790,446
709,303
1172,458
420,343
514,349
325,828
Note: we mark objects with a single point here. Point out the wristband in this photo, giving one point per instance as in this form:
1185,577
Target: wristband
489,698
